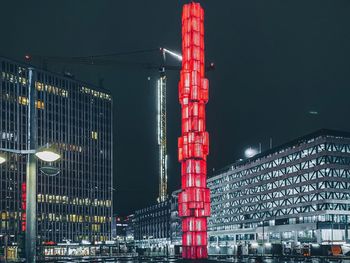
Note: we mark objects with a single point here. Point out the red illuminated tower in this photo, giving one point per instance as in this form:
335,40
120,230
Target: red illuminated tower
194,200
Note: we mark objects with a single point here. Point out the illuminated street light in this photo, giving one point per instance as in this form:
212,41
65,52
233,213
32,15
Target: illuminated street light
2,158
48,154
250,152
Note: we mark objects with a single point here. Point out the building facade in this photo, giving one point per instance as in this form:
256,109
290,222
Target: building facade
120,226
130,221
282,201
76,118
157,228
152,225
175,221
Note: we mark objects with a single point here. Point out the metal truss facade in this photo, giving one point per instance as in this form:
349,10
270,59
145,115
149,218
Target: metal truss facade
304,181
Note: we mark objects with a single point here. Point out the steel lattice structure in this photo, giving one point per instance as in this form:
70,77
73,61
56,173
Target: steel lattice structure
162,146
194,200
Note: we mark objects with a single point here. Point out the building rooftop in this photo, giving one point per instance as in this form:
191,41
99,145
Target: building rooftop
59,75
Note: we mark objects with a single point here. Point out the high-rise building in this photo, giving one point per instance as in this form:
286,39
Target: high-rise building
290,199
76,118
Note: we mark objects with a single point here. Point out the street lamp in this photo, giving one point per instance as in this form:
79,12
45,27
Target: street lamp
48,154
2,158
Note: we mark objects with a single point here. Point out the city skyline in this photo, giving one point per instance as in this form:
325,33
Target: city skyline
281,72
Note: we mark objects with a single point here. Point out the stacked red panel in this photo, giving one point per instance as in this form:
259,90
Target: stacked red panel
194,200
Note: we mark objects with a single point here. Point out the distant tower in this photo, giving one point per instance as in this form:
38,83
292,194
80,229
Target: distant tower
194,200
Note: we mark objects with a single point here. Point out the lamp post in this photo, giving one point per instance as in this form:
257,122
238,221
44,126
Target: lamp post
263,236
2,158
263,250
45,154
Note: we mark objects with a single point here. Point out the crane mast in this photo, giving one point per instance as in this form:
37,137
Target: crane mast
162,128
162,138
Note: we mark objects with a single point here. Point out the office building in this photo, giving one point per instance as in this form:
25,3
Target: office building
152,225
74,205
285,199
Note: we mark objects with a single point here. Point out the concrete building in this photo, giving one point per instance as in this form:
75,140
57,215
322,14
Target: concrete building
76,118
291,199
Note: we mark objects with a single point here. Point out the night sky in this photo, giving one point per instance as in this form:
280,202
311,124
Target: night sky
275,62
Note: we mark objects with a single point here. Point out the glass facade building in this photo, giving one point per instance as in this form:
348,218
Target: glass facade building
284,199
76,118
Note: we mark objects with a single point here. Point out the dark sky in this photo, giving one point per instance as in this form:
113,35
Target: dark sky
275,62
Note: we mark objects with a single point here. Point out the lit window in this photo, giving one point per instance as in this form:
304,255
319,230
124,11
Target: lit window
23,100
40,105
39,85
94,135
4,216
51,89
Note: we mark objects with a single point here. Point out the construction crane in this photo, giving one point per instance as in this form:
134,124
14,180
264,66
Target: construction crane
100,60
162,130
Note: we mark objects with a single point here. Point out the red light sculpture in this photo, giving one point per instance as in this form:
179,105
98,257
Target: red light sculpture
193,145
